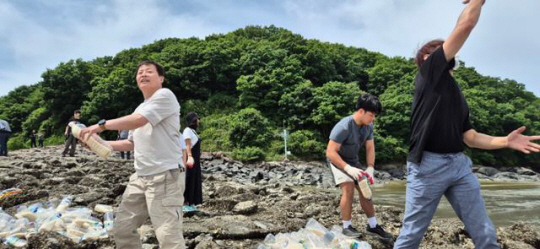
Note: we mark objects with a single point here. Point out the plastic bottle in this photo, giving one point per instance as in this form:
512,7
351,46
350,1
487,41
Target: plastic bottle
100,208
64,204
108,221
15,241
96,143
25,212
364,187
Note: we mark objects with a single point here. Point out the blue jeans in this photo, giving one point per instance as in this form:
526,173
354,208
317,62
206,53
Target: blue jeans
449,175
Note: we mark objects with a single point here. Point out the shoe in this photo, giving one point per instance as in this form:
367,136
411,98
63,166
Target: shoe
185,209
351,232
379,232
193,208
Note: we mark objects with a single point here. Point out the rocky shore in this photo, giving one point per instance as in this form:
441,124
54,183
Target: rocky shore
242,203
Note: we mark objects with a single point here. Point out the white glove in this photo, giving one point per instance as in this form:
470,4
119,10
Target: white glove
371,172
354,172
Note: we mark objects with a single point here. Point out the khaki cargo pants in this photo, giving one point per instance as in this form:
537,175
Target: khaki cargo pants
159,197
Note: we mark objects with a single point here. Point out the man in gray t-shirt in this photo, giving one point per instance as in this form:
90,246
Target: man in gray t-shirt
346,138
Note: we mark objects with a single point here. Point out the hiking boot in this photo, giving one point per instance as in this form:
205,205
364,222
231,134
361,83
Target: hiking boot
378,231
351,232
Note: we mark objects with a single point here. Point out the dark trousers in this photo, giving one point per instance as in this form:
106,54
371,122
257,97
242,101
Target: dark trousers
4,137
70,142
127,153
33,143
40,143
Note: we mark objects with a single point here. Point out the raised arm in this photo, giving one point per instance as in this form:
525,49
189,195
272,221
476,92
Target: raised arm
465,24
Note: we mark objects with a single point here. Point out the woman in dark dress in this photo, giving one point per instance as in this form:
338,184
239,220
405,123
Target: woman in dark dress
193,192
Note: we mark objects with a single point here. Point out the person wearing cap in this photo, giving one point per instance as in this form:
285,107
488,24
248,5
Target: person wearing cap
156,189
193,192
346,138
5,131
436,164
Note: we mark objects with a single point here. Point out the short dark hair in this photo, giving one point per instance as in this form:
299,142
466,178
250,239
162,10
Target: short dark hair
427,48
370,103
159,68
77,111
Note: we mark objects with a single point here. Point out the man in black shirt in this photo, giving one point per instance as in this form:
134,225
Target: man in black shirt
441,128
71,141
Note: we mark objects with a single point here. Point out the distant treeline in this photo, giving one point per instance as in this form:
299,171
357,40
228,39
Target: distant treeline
250,84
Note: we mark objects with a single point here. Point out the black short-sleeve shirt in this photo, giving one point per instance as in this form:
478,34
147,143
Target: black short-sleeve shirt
440,114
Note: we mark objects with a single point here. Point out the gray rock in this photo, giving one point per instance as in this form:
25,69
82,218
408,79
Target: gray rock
246,207
507,175
525,171
488,171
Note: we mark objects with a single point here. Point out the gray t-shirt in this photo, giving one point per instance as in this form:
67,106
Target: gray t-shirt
351,137
157,148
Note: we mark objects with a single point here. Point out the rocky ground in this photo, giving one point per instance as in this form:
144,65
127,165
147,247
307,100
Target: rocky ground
242,203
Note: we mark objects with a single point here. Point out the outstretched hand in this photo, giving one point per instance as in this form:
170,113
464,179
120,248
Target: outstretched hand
523,143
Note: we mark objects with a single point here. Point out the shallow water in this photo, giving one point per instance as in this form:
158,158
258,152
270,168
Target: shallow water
506,202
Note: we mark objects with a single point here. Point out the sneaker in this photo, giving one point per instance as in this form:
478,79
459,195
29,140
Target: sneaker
185,209
351,232
193,208
379,232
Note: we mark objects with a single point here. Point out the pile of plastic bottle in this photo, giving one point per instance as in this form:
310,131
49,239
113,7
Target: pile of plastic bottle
76,223
314,235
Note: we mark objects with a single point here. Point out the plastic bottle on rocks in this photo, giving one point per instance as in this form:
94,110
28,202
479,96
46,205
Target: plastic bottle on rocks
95,232
75,233
20,227
354,244
100,208
28,212
52,223
15,241
319,230
6,222
108,221
64,204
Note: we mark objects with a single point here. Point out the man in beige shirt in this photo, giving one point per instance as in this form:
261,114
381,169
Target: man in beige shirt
156,188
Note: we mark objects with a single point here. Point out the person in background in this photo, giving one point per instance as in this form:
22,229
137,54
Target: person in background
33,139
5,132
193,192
41,138
71,141
123,134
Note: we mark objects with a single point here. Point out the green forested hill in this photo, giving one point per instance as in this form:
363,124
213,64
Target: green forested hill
249,84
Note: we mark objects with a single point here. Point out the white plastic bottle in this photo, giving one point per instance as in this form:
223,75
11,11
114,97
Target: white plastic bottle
96,143
108,221
15,241
364,187
64,204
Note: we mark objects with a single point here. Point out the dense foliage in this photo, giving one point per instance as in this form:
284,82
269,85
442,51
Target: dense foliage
250,84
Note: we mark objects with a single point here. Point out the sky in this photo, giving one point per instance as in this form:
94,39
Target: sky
40,34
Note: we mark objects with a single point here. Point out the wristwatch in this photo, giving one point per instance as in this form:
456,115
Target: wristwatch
101,124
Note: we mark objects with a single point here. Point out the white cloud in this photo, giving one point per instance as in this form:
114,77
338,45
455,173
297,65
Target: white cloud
504,44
